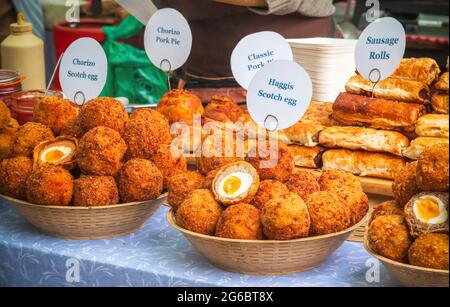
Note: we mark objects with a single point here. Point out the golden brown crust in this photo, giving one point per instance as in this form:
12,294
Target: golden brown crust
432,170
269,189
28,137
100,152
169,161
240,221
199,213
390,88
433,125
94,191
419,145
390,207
50,185
309,157
5,115
333,180
223,109
181,185
439,102
272,161
180,106
13,176
105,112
442,83
405,184
319,113
430,251
358,138
5,145
306,134
376,113
328,213
363,163
303,183
389,236
55,113
145,132
139,180
285,217
425,70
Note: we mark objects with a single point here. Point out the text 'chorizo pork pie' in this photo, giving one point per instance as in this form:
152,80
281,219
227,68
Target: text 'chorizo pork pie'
139,180
100,152
105,112
235,183
427,212
285,217
145,132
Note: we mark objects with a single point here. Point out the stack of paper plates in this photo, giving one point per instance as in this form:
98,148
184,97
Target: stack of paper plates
330,63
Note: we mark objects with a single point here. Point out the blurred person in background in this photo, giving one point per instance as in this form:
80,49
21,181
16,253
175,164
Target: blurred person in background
218,27
7,17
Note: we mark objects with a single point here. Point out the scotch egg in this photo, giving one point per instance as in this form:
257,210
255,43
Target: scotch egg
427,213
60,151
235,183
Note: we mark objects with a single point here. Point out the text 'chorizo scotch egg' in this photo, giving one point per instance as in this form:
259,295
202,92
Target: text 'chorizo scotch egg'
236,183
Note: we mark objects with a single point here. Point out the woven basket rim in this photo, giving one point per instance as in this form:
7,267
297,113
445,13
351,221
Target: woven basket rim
397,264
22,202
170,218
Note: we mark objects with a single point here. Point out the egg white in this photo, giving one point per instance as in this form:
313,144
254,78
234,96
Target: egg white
64,149
246,183
443,216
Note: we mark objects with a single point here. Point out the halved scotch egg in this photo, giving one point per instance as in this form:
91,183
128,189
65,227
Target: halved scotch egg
236,183
427,213
60,151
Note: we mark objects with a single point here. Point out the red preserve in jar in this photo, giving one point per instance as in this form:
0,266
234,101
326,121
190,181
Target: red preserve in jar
10,83
23,104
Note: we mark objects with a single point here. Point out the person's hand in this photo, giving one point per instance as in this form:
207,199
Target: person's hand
247,3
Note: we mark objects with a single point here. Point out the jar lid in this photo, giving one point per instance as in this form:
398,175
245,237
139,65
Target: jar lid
21,26
7,76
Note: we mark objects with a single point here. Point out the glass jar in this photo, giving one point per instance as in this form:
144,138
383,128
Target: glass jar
23,104
10,83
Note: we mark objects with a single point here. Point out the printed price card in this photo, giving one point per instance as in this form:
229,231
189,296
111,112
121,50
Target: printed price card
168,39
254,52
83,70
380,49
279,95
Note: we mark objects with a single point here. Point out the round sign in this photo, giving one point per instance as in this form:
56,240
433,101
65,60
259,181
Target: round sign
254,52
83,70
279,95
168,39
380,49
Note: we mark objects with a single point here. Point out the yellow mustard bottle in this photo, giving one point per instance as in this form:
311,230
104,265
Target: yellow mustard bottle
23,52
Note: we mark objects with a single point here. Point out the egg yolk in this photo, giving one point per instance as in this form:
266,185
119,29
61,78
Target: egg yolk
53,155
232,185
428,209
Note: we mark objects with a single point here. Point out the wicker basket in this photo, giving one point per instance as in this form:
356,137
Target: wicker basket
265,257
253,3
409,275
87,223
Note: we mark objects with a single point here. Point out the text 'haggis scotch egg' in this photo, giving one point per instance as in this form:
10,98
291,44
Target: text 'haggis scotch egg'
427,212
236,183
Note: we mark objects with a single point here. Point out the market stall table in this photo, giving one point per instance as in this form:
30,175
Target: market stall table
155,256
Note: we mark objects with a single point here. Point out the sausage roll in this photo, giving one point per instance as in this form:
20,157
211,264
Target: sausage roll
376,113
425,70
433,125
440,103
419,145
363,163
357,138
309,157
391,88
442,84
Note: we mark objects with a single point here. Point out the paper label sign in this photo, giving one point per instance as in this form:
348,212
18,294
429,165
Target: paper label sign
380,49
254,52
83,70
168,39
279,95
